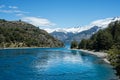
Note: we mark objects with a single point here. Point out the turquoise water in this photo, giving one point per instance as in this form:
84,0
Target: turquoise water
52,64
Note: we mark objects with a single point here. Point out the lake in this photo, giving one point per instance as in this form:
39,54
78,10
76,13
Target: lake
52,64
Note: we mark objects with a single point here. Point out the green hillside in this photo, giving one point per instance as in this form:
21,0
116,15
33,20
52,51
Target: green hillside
21,34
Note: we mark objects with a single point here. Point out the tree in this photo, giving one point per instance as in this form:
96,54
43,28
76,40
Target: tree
82,44
20,20
114,29
103,40
74,44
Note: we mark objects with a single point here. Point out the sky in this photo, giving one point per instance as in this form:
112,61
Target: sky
59,13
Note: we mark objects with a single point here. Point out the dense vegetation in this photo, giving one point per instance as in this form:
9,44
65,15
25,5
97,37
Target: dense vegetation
107,40
21,34
74,44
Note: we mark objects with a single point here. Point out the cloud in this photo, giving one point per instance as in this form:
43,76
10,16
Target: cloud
38,21
6,11
2,6
20,14
13,11
13,7
19,11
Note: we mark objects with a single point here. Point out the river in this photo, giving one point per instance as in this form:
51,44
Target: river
52,64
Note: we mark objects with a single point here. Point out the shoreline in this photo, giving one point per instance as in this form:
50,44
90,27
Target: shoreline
101,55
26,47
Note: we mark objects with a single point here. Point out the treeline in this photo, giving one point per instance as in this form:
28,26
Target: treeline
104,40
22,34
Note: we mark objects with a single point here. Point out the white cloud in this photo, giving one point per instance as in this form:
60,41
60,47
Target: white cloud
41,22
13,11
13,7
37,21
2,6
6,11
19,11
20,14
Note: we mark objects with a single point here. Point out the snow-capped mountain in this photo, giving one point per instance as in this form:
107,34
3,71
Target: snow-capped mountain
77,33
69,36
102,23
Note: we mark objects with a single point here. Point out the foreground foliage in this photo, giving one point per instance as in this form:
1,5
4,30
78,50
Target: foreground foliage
114,57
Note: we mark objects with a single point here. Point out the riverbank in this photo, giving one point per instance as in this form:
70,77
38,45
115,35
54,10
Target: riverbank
102,55
98,54
26,47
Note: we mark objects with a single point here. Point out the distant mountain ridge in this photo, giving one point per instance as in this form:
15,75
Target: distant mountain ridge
77,33
68,37
21,34
102,23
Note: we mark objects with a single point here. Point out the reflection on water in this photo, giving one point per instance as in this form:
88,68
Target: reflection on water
73,58
57,59
52,64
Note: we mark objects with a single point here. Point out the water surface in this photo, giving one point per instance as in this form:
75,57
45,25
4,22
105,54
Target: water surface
52,64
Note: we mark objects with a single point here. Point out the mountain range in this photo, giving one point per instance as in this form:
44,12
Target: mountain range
77,33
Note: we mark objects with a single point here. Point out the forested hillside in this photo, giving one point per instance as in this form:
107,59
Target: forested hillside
107,40
21,34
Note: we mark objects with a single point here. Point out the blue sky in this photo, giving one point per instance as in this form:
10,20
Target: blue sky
59,13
